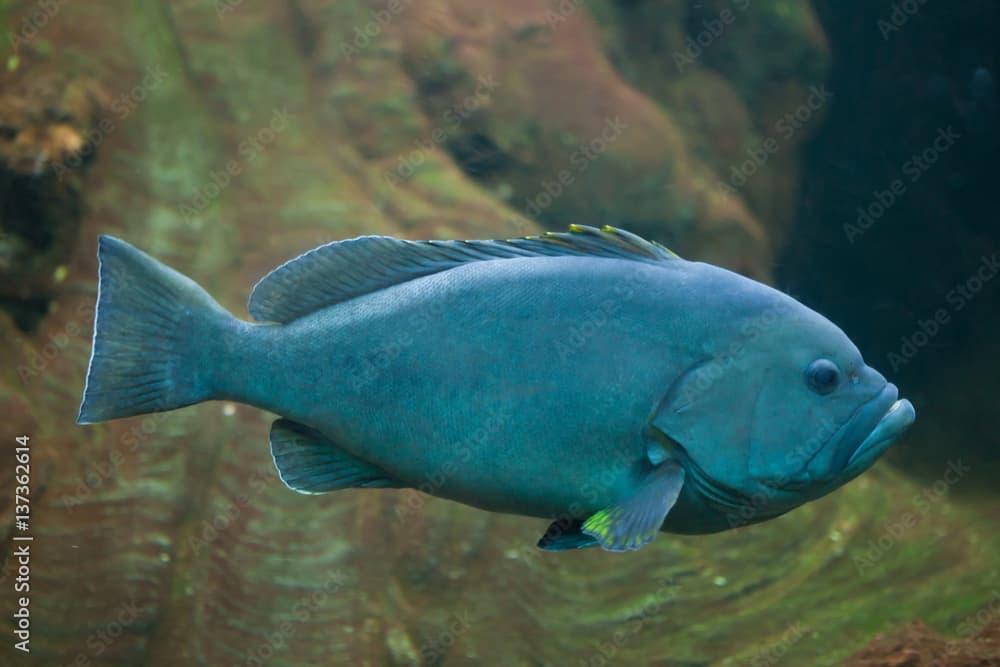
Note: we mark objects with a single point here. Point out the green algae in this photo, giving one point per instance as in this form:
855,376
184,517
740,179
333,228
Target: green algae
791,590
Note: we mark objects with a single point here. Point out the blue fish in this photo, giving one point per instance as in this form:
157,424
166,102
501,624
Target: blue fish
590,377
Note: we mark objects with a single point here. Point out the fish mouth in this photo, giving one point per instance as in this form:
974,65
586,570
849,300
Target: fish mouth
863,437
854,447
893,423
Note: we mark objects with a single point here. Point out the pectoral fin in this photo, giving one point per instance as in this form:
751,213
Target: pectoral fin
308,462
636,520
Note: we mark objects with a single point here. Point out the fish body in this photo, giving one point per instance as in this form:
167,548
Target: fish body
592,378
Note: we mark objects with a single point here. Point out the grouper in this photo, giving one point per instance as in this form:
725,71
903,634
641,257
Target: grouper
590,377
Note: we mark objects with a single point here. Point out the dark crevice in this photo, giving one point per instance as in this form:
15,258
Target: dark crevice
39,222
304,31
479,156
47,140
879,262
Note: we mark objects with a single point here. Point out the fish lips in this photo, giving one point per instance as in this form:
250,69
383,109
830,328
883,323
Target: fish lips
864,437
892,424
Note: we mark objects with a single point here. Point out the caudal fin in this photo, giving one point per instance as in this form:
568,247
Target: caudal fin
151,331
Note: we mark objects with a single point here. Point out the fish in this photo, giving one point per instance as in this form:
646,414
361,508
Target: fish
589,377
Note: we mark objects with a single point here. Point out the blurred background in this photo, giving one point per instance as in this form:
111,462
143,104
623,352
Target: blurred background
844,151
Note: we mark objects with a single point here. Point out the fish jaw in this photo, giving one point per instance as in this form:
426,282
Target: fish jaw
894,423
863,438
827,464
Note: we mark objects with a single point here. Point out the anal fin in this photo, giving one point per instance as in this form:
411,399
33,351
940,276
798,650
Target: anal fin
565,535
308,462
634,522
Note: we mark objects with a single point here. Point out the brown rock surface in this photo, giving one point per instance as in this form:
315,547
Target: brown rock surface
243,133
916,645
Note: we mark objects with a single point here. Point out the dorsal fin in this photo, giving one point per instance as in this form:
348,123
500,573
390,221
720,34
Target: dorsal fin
343,270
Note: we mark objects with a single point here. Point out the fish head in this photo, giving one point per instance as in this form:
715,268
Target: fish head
783,413
822,415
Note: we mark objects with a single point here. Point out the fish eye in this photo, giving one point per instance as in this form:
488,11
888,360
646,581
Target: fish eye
822,376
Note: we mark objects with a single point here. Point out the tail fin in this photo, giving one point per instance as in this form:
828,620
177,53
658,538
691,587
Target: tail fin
151,330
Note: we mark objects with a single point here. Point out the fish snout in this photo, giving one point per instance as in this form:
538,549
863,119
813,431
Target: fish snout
897,419
873,426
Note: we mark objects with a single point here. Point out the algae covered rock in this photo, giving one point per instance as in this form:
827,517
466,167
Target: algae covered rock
556,131
244,133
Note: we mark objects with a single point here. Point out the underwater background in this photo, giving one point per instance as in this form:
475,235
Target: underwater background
845,152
